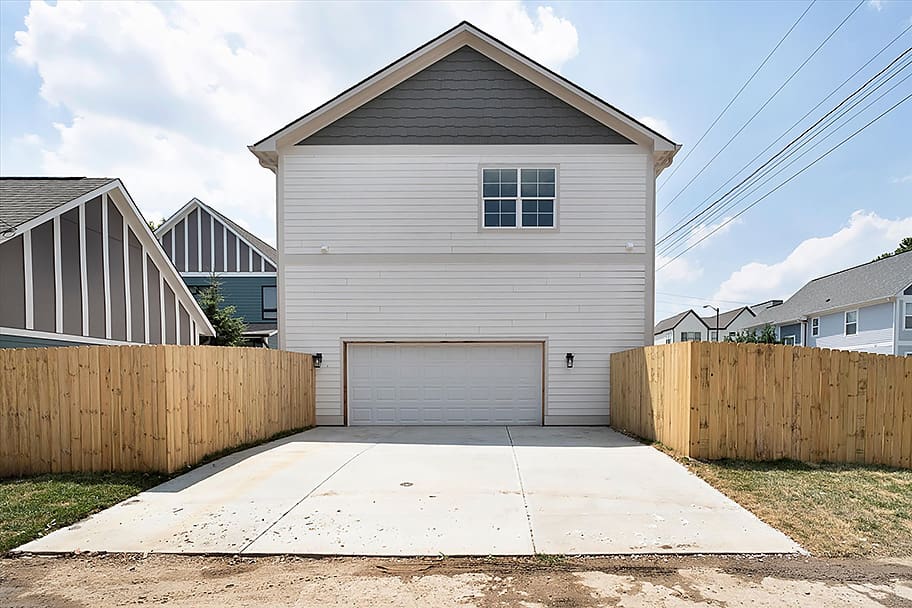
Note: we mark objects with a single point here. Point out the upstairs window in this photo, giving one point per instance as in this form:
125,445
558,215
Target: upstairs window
270,300
691,336
851,322
907,319
815,326
519,197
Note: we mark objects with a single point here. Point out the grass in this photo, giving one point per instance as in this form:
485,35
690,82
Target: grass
33,506
832,510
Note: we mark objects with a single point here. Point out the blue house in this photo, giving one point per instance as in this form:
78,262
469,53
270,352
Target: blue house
865,308
202,243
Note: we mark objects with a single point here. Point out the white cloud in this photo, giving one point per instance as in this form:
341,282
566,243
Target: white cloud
657,124
168,96
708,231
866,236
547,38
877,5
681,270
902,180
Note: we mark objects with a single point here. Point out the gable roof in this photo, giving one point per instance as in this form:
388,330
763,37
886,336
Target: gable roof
265,249
856,286
672,322
464,34
726,318
30,196
25,198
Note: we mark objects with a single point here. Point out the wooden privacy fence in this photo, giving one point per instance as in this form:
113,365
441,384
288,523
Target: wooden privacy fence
144,408
765,401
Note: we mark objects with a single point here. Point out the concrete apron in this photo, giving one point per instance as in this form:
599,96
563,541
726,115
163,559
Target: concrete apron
404,491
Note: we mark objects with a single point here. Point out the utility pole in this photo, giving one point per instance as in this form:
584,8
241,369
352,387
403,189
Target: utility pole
717,318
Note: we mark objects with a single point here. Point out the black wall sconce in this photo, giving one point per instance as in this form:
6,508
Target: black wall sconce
569,360
318,359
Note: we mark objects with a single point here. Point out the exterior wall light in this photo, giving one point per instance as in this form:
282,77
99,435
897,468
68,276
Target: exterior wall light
569,360
630,246
318,359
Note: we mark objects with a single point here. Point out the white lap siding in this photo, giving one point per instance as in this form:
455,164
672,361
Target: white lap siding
406,260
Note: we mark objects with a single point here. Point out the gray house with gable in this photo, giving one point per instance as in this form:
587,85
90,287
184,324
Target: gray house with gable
865,308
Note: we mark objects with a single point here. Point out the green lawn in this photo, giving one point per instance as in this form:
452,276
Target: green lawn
832,510
33,506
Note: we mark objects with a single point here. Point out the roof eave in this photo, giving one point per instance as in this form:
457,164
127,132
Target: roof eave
464,34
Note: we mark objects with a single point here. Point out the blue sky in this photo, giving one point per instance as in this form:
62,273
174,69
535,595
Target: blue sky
167,96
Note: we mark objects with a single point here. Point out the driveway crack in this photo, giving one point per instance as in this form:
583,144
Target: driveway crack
522,491
306,496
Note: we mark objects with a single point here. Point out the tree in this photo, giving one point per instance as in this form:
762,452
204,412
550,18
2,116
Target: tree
904,246
229,328
767,335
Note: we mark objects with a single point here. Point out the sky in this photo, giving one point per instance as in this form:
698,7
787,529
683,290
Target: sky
167,96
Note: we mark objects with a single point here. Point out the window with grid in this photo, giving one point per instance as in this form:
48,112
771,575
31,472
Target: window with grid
519,197
907,321
691,336
815,326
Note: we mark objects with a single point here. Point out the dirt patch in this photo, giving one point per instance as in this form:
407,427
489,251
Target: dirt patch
229,582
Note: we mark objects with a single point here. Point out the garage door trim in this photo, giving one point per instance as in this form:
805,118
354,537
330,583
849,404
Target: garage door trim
538,341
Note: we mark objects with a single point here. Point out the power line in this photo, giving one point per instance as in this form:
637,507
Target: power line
799,172
761,108
732,100
796,123
754,187
678,295
788,150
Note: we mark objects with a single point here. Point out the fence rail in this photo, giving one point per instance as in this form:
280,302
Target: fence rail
764,402
144,408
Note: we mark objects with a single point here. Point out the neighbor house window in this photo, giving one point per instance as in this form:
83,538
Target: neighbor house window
851,322
519,197
270,298
789,340
907,322
690,336
815,326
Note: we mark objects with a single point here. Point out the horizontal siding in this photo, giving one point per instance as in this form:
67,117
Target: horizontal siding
244,293
588,309
425,199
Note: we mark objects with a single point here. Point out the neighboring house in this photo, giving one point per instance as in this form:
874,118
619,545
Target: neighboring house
79,265
685,326
865,308
458,230
201,241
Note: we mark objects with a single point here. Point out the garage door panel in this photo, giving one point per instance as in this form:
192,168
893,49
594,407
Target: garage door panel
496,383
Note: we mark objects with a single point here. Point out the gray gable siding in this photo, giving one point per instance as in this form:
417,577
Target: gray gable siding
465,98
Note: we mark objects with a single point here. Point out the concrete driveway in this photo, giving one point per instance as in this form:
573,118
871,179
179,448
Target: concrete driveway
402,491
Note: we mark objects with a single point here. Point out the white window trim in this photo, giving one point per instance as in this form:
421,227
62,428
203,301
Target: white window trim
698,334
845,324
788,340
263,303
907,315
519,198
815,326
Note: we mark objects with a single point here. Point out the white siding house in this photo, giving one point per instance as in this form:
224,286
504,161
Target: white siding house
406,261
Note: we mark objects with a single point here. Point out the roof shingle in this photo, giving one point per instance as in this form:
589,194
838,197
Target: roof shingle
25,198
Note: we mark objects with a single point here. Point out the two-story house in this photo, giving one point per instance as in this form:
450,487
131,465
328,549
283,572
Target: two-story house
79,265
465,237
202,243
865,308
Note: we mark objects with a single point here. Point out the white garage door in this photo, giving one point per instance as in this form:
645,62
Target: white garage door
457,383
